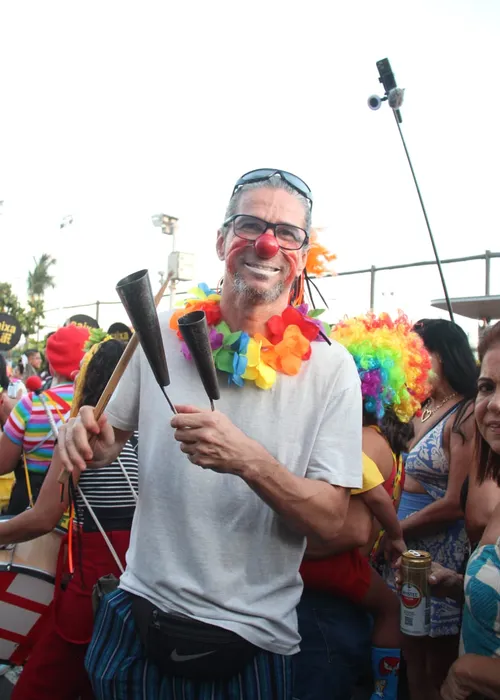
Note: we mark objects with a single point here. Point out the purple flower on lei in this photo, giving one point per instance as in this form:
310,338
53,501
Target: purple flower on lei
185,351
216,339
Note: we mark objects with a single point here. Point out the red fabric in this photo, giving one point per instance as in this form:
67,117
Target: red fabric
73,607
348,574
65,350
55,670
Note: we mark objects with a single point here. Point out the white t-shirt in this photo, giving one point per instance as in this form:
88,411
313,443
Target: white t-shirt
204,544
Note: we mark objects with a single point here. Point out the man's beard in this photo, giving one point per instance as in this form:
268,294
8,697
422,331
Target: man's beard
257,296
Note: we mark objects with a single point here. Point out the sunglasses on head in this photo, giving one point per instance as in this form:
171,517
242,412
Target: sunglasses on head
263,174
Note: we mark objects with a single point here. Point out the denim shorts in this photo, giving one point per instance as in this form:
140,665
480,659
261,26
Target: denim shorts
335,647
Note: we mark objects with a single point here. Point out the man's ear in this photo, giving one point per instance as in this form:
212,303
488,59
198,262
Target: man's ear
221,244
302,261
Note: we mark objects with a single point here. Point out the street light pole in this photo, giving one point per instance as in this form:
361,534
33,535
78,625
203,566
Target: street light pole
168,225
173,281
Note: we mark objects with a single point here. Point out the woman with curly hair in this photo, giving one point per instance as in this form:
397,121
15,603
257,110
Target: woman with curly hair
393,366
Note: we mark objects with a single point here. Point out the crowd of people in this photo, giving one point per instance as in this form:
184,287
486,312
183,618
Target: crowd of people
254,551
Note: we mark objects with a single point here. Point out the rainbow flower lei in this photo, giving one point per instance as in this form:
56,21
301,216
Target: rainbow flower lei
259,358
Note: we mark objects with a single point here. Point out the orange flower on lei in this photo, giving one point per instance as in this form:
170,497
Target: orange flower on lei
287,355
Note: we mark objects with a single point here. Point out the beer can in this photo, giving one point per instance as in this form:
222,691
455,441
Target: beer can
415,617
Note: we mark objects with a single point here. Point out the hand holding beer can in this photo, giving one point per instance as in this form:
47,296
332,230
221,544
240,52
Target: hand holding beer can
415,596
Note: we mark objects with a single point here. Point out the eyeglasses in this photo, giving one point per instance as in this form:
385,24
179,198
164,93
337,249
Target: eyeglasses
250,227
263,174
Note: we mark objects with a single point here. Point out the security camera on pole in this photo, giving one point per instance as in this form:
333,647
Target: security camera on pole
180,265
394,97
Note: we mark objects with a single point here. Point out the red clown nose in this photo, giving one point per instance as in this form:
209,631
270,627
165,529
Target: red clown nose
266,246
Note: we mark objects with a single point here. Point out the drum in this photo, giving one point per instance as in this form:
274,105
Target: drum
27,580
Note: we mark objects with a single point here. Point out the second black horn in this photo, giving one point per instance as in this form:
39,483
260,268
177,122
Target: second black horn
194,330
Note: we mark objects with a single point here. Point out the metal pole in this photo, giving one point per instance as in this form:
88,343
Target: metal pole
172,283
487,260
438,262
372,287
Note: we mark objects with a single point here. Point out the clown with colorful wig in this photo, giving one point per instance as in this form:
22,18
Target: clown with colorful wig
393,367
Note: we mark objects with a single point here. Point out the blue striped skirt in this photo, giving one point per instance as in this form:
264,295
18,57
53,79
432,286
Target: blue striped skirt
118,669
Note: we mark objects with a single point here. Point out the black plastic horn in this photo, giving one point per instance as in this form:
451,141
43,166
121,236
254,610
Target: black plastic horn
194,330
137,297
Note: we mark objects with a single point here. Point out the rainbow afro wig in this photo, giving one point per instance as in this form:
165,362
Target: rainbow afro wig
392,362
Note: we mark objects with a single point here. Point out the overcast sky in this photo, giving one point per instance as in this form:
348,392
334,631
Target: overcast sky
114,111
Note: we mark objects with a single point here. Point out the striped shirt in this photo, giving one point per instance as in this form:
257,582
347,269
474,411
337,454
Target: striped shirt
107,489
28,426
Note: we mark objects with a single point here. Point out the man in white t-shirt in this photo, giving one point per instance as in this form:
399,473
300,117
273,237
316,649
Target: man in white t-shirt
206,606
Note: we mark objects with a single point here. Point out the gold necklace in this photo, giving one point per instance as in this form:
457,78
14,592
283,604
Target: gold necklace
428,412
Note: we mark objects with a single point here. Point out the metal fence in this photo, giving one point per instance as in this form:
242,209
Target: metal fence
487,257
466,281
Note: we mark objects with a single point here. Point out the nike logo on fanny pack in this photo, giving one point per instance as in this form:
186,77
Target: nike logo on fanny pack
188,657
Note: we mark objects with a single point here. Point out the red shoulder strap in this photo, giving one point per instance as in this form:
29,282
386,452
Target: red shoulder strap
57,399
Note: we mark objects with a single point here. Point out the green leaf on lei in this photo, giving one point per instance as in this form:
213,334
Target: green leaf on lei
224,360
314,313
223,328
232,338
229,338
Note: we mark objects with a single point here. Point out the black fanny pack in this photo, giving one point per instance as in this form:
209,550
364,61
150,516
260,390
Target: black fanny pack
183,647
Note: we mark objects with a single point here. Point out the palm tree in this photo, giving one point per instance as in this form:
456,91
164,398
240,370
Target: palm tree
40,279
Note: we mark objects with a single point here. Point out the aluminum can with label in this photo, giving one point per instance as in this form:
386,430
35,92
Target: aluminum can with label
415,594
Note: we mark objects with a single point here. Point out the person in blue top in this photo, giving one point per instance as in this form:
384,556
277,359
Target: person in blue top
476,672
437,464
